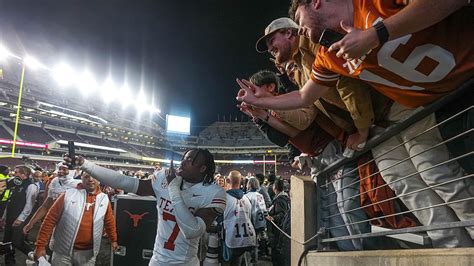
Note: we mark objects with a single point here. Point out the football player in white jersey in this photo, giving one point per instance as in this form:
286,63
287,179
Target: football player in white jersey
187,203
259,211
64,181
239,231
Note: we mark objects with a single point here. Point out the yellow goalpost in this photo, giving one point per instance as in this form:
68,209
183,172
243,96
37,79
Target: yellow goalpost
15,132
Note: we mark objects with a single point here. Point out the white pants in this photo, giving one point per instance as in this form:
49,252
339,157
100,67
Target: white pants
78,258
455,237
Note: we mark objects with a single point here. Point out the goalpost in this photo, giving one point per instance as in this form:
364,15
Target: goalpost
15,132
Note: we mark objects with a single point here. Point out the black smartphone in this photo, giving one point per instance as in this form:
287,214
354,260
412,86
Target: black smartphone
72,154
328,37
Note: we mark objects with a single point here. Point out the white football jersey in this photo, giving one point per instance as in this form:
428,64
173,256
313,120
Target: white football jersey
259,210
171,247
239,231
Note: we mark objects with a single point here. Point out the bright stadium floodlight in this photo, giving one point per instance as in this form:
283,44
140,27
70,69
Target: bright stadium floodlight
86,83
64,75
33,63
108,90
152,109
125,95
140,101
5,53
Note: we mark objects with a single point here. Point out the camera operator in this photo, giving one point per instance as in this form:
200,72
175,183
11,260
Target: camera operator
23,196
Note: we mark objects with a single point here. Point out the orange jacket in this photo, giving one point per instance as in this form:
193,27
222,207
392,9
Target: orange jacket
377,195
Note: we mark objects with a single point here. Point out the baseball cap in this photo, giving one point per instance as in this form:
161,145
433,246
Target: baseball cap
277,24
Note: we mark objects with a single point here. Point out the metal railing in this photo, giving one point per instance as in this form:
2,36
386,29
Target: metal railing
326,178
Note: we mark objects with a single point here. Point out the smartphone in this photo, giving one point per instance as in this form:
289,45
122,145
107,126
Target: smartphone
328,37
72,154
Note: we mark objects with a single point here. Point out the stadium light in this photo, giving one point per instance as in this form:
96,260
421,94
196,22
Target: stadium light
33,63
152,109
125,95
4,53
64,75
86,83
140,101
108,90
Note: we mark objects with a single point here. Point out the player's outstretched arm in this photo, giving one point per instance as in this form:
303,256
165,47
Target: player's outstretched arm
113,178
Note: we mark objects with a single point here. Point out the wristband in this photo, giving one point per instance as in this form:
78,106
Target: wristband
382,32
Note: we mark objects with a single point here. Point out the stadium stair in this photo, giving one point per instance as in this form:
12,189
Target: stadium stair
9,130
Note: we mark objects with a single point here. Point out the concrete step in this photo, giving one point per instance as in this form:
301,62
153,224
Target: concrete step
403,257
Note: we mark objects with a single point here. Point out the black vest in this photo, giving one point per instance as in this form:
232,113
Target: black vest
17,200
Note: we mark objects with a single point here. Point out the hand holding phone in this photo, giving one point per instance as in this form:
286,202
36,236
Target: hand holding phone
329,37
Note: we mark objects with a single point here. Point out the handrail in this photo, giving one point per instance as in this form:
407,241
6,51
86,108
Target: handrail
394,129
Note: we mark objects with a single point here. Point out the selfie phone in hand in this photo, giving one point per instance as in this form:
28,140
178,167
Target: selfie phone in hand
72,154
328,37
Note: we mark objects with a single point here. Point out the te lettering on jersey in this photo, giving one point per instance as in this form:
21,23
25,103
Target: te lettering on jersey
167,206
352,65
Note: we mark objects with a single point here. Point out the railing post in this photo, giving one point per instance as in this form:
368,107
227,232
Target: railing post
303,214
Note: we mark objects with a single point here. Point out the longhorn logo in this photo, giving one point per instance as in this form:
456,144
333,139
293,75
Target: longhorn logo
135,217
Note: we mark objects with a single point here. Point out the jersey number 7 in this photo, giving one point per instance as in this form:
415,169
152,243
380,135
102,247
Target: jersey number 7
169,244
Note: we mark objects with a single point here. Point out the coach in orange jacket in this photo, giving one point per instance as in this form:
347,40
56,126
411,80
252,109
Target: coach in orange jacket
78,218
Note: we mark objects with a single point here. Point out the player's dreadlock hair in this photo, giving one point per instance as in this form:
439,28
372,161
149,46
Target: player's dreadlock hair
208,162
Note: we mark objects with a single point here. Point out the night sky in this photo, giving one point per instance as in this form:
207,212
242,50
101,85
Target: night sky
186,54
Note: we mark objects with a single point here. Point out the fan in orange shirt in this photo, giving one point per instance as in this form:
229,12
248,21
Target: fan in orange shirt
415,59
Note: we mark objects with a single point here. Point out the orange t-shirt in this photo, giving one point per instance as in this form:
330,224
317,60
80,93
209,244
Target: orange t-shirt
413,70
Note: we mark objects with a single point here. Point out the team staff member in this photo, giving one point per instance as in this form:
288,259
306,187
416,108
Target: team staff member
77,218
